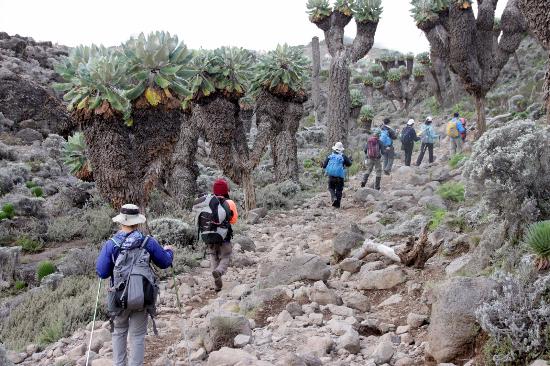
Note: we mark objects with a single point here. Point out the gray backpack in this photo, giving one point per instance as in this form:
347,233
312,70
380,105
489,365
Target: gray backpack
134,285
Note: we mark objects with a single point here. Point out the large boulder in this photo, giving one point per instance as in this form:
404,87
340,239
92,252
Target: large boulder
382,279
346,241
452,328
306,267
4,361
9,260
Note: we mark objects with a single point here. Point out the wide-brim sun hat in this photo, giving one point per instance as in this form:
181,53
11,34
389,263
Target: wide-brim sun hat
410,122
129,216
429,119
338,146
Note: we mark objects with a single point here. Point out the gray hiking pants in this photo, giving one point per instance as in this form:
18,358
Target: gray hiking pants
389,155
220,255
133,325
371,164
456,145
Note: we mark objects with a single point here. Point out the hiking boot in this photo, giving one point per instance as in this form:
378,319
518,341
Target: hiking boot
377,183
217,280
336,204
363,184
386,172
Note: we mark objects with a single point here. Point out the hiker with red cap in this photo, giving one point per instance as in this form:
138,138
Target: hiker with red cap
215,215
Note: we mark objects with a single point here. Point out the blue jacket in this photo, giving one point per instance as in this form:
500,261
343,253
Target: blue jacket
428,134
109,253
459,125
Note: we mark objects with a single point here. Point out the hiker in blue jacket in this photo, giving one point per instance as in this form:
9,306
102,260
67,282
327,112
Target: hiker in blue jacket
132,323
335,168
387,135
428,138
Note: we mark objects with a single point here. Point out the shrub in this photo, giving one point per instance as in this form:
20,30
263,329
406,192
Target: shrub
537,239
509,168
20,285
72,303
65,228
98,223
357,157
436,218
457,160
51,333
29,245
79,261
517,317
170,231
8,211
37,191
43,269
356,98
452,191
30,184
278,195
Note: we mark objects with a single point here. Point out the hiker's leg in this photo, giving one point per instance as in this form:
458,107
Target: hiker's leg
339,190
332,189
136,333
212,252
378,168
453,146
459,144
421,155
119,338
431,152
408,154
389,162
225,256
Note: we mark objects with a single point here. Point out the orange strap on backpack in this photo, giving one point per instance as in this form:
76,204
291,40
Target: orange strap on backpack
233,208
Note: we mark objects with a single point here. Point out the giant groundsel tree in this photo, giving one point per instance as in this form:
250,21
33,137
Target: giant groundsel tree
332,20
537,14
127,101
472,46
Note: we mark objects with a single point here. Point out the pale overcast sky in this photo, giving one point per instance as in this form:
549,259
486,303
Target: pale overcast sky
254,24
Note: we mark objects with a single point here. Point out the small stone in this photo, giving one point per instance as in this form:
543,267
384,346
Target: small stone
340,310
383,352
198,355
402,329
294,309
416,320
405,361
316,318
241,340
392,300
350,341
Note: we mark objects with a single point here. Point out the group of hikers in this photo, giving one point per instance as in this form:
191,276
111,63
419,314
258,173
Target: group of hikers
126,258
133,287
380,151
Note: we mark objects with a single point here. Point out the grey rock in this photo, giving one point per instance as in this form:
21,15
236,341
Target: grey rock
9,261
261,212
364,195
28,135
322,295
453,323
383,352
220,325
52,281
245,242
261,297
350,342
4,360
345,242
416,320
241,340
306,267
294,309
382,279
25,206
352,265
357,301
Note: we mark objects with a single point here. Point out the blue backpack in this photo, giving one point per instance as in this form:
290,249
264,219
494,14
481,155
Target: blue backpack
335,166
385,138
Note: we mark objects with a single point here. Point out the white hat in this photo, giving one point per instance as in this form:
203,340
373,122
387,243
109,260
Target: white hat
410,122
338,147
429,118
129,216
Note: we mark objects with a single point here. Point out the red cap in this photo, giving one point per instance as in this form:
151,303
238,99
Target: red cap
220,187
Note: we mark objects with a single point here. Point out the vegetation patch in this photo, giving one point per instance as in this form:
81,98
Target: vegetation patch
7,212
29,245
537,240
43,269
452,191
457,160
436,218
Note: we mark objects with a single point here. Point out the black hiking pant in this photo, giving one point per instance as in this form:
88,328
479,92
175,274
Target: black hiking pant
408,148
335,187
430,148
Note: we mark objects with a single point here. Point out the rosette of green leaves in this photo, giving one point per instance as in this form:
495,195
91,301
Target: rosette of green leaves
387,57
225,70
344,7
409,56
376,69
418,72
378,82
368,80
283,71
157,60
424,10
400,57
403,71
367,113
367,10
423,58
356,98
247,102
103,78
75,155
67,66
393,75
318,10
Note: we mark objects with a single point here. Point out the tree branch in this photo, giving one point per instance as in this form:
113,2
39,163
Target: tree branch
261,141
363,41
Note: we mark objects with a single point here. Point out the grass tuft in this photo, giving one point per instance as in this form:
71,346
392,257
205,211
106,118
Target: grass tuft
452,191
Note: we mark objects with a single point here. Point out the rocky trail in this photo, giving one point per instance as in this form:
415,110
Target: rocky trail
288,301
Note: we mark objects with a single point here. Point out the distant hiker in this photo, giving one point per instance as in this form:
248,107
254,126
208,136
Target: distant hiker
387,135
373,155
408,138
464,124
453,130
335,168
428,138
132,294
215,215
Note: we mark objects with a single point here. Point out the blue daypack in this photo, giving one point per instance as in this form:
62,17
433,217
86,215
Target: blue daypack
335,166
385,138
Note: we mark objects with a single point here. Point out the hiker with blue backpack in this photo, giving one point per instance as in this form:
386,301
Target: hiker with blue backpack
335,168
387,135
373,155
428,138
131,297
408,138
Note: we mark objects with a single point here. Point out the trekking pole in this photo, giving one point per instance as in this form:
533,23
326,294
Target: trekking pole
180,307
93,322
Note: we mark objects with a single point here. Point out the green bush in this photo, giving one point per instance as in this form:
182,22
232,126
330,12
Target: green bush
278,195
20,285
537,239
457,159
30,184
43,269
8,210
3,215
51,333
309,121
308,164
29,245
72,304
37,191
452,191
436,218
65,228
357,165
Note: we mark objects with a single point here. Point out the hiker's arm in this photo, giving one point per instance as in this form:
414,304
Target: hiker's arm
416,138
325,163
460,127
162,258
347,161
104,265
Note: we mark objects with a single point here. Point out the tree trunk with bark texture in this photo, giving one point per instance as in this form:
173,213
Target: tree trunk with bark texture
128,161
316,67
481,125
182,180
339,75
369,94
537,14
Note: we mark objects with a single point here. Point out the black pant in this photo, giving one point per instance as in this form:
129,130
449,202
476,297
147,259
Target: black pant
336,187
408,153
430,148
